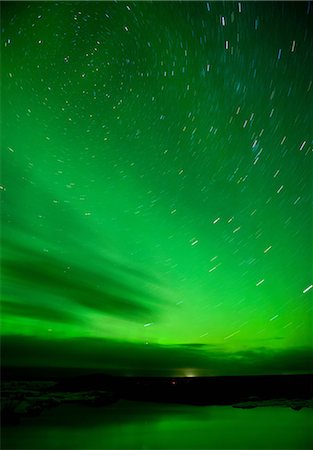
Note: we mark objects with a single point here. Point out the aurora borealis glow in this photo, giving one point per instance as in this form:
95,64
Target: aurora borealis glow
157,186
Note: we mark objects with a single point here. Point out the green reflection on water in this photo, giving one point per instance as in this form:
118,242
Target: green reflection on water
127,425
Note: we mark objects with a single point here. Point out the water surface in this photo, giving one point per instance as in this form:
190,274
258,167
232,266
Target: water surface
134,425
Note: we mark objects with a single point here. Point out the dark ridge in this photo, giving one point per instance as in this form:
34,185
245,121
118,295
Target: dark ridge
192,390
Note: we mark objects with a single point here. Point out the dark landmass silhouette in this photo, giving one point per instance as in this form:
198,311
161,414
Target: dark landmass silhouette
27,395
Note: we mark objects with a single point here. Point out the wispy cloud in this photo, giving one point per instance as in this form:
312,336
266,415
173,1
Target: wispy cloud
111,288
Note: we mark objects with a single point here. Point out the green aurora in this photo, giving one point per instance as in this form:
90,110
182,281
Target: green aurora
157,186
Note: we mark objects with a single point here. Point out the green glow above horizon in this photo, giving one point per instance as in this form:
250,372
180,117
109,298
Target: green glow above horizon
156,173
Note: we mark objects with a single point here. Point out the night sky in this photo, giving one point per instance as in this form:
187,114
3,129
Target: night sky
157,186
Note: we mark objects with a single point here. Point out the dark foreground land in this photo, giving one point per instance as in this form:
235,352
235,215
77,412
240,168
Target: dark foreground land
28,394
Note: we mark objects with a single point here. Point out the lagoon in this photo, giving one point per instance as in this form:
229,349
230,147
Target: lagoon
144,426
